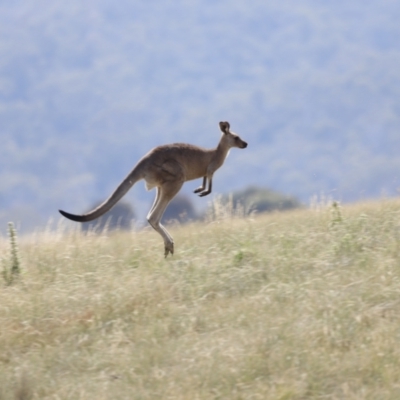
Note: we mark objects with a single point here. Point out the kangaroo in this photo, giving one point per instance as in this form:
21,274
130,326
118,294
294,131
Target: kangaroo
166,168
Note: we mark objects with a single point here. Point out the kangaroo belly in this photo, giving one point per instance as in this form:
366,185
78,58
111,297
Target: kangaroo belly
179,161
168,170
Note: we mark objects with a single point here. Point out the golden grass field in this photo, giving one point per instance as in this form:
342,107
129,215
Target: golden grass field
295,305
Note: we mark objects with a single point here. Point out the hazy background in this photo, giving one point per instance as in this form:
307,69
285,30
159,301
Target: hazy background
86,88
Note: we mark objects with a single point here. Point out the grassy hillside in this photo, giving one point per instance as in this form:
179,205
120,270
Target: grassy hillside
296,305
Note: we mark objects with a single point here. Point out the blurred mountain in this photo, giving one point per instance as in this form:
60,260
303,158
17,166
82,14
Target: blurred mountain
255,199
120,217
181,209
86,88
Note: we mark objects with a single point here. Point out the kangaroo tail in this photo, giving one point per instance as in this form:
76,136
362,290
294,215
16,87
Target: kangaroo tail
121,190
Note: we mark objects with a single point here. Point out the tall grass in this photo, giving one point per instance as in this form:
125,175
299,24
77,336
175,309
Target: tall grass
11,264
296,305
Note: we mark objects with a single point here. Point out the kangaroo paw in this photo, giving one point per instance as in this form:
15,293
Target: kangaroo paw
169,248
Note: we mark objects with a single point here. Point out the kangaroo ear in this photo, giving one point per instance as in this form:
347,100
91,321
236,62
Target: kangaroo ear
224,126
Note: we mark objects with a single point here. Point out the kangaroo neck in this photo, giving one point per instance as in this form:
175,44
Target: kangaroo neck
221,152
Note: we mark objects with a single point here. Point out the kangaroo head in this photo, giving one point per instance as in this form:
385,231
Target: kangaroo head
229,138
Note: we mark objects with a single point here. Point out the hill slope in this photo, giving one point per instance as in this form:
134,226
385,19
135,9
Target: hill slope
295,305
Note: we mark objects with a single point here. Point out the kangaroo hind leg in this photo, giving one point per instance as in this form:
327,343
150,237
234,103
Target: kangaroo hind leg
165,193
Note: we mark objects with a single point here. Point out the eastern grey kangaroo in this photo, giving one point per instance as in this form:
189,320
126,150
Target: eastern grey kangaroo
166,168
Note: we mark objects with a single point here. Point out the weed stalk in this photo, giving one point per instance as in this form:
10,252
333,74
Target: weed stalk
11,274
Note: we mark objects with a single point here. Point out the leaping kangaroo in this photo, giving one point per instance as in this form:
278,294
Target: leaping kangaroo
166,168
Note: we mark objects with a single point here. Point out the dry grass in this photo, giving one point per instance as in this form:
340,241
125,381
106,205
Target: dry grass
299,305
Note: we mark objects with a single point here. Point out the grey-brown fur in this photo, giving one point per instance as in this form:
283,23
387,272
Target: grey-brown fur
166,168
